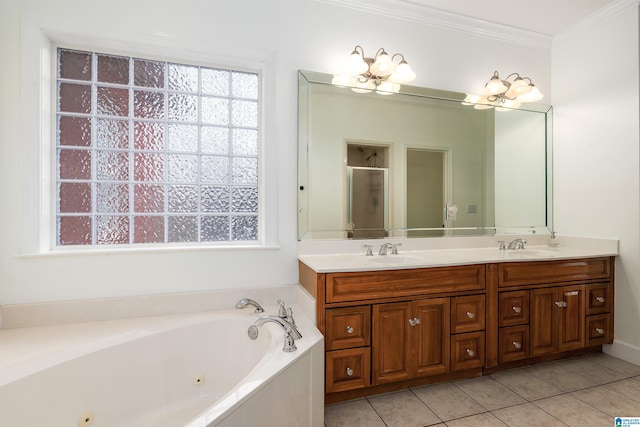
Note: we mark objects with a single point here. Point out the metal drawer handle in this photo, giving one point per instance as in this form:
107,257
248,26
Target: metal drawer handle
415,321
600,331
470,352
349,372
571,293
516,309
561,304
517,345
349,329
600,299
471,315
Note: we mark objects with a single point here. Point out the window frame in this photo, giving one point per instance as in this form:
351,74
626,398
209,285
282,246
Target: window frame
265,181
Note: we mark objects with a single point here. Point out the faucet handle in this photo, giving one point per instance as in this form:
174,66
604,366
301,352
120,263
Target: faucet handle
394,250
521,243
501,247
282,311
369,252
289,317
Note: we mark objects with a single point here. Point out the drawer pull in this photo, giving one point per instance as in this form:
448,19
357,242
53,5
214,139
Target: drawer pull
349,372
600,299
471,315
349,329
470,352
415,321
516,309
561,304
571,293
600,331
517,345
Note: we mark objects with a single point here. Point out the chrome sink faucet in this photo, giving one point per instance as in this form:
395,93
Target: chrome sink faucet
386,246
517,244
291,332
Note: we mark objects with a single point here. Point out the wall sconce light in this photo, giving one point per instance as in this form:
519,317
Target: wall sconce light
503,94
379,73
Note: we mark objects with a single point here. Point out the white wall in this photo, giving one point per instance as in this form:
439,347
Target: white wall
284,35
596,165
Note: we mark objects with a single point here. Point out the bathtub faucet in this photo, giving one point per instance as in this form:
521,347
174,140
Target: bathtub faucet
291,332
248,301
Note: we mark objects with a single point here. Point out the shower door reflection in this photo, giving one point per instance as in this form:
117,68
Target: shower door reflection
368,201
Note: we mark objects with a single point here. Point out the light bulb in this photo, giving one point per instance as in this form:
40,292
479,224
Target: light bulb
403,74
383,66
355,65
495,86
518,88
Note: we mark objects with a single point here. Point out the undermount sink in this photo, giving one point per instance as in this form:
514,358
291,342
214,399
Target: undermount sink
531,253
395,259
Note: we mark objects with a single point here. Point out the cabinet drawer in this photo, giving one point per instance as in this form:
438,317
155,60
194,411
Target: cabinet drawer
513,308
467,314
514,343
528,273
598,329
350,286
348,327
598,298
467,351
348,369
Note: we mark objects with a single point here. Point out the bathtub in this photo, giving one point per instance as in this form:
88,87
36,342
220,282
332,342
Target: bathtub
192,370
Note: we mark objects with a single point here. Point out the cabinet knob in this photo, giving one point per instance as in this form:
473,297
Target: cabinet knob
470,352
600,299
415,321
349,372
349,329
600,331
561,304
517,345
516,309
471,315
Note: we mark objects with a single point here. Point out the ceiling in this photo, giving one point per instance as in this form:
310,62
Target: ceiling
547,17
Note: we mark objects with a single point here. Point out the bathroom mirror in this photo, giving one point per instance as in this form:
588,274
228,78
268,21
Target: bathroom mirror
451,169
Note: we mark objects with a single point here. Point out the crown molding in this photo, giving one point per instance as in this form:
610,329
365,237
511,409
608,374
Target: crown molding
409,11
614,9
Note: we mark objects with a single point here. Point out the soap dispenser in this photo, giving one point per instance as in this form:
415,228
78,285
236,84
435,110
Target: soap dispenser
553,240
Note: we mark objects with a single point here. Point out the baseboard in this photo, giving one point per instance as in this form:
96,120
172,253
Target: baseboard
624,351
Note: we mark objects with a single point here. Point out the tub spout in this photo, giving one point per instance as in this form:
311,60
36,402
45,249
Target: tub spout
248,301
291,332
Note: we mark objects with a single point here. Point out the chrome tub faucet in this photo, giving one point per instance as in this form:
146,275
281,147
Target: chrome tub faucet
291,332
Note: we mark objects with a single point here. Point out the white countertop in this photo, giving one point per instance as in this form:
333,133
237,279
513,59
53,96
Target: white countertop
419,258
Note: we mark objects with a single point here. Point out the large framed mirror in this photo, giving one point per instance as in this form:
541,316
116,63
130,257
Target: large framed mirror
445,168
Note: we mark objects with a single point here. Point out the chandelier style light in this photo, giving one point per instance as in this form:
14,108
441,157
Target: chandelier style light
379,73
503,94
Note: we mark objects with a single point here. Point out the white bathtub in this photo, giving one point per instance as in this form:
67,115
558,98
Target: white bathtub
190,370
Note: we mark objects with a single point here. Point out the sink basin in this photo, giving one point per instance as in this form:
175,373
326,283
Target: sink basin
531,253
395,260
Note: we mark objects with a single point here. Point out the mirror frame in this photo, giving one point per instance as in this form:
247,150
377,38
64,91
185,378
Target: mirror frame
306,78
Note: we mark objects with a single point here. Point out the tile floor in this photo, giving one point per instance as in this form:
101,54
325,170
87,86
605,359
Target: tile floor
584,391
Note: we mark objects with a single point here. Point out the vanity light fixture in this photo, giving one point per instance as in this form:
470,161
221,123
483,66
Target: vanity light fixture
504,94
379,73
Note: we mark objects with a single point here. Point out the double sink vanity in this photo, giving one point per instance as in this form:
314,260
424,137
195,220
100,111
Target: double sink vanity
424,316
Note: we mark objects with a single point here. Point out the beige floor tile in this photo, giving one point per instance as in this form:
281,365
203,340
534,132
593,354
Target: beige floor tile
480,420
448,402
574,412
489,393
608,401
355,413
627,388
526,384
403,409
613,363
526,415
595,372
561,376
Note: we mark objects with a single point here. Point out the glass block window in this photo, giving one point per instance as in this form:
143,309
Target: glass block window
154,152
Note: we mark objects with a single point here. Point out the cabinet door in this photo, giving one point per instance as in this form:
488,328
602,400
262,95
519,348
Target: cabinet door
513,343
467,314
571,318
430,338
598,329
347,327
513,308
543,332
347,369
391,329
598,298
